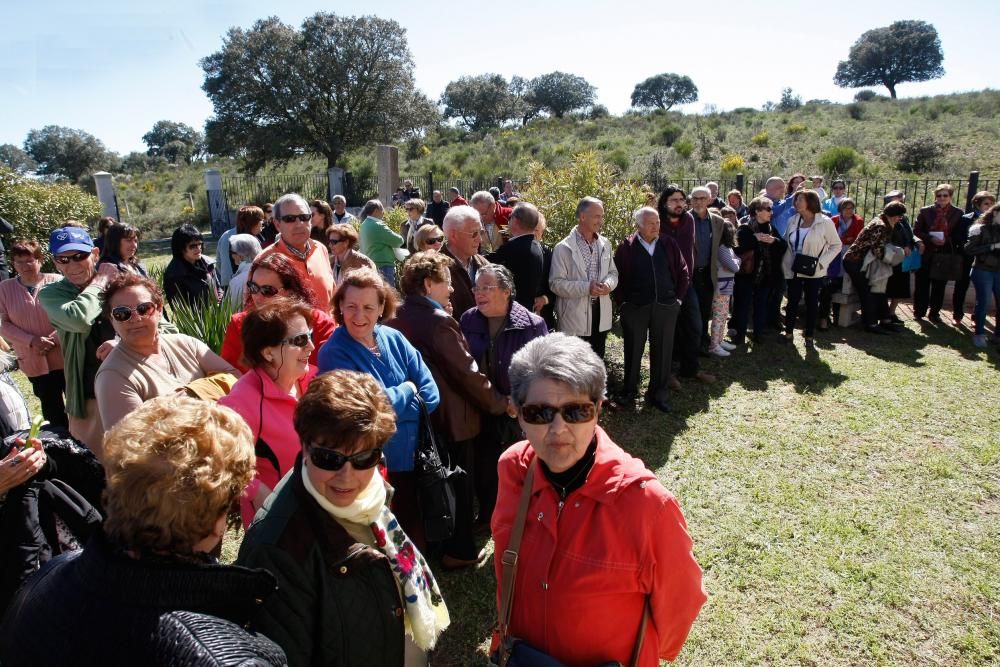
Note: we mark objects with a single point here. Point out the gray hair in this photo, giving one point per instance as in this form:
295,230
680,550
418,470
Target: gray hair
245,245
526,215
503,276
710,184
457,216
700,190
774,179
561,358
586,203
482,197
287,199
370,207
339,198
454,190
640,213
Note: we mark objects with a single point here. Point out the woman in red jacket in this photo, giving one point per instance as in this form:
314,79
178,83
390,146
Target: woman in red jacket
602,538
849,224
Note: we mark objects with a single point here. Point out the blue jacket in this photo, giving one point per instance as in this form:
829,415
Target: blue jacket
782,213
400,362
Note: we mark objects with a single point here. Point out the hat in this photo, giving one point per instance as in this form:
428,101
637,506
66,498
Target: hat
69,238
889,196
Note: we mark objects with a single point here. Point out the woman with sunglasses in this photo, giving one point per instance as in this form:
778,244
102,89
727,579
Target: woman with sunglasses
146,363
428,238
277,344
760,247
121,247
363,301
353,588
189,276
342,242
272,276
600,534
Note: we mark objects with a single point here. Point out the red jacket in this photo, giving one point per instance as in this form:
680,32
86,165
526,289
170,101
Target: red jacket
501,214
583,575
232,344
459,201
851,235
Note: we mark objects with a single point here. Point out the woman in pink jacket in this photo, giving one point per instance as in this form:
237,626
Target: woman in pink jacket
277,342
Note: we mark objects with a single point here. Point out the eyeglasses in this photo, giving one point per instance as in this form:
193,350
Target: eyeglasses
76,257
300,339
329,459
124,313
333,241
300,217
572,413
265,290
197,245
484,288
435,240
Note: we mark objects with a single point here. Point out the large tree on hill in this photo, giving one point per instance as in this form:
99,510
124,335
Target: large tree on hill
337,83
63,151
480,102
173,141
559,93
16,159
903,51
664,91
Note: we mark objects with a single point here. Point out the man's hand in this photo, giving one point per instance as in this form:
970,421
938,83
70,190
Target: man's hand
540,302
599,289
105,349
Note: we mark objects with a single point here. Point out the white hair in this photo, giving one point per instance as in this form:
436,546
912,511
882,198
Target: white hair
640,213
458,216
287,199
482,197
701,190
711,183
339,198
245,245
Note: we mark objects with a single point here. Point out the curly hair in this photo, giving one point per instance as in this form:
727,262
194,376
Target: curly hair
289,277
174,466
266,325
344,410
126,280
420,266
361,279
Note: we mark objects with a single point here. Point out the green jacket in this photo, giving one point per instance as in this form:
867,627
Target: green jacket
337,602
378,241
72,312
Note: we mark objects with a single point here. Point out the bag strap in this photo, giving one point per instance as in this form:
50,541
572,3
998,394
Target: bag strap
509,560
642,635
432,440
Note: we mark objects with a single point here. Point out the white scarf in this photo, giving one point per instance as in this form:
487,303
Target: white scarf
426,614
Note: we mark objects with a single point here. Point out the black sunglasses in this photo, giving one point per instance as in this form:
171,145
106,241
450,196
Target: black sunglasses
196,244
301,217
333,241
435,240
78,257
329,459
124,313
299,339
266,290
572,413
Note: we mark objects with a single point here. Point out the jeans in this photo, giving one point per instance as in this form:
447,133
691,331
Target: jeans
961,289
742,302
796,288
987,284
388,272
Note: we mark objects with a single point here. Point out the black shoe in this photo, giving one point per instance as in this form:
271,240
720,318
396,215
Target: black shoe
890,327
896,320
810,344
662,406
878,331
935,318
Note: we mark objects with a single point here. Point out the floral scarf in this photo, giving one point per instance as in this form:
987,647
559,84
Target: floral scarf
426,614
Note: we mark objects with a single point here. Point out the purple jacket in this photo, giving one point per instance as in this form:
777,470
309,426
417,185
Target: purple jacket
521,326
683,234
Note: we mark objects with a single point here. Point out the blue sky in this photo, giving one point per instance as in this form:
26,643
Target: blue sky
114,68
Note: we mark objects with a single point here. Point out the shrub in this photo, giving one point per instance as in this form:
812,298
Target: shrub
855,110
760,139
620,159
839,160
918,154
684,148
556,192
669,133
36,207
822,132
733,163
865,96
205,321
795,129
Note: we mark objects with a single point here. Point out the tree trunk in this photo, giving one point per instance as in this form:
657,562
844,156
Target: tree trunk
892,90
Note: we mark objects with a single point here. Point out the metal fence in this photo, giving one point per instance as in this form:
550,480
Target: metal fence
258,190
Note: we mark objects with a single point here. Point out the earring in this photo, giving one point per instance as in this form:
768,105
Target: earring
270,360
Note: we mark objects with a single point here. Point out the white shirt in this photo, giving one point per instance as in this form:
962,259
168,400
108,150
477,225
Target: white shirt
650,247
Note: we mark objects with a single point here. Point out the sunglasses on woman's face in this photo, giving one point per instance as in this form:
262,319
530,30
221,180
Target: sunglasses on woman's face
124,313
333,241
572,413
66,259
299,339
435,240
266,290
332,460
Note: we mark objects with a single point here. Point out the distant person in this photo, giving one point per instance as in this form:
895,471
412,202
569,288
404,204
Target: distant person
269,231
868,262
762,249
493,216
102,228
981,202
409,191
310,258
817,185
462,231
545,303
322,218
849,225
429,237
189,277
795,183
935,226
121,249
783,209
984,246
716,202
340,214
249,220
727,264
437,209
900,283
378,241
244,249
735,199
456,198
831,205
508,192
522,254
415,219
704,273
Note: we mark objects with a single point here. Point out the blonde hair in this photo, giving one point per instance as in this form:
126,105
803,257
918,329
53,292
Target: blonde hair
174,466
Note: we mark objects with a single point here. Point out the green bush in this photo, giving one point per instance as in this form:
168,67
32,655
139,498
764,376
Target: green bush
918,154
205,321
684,148
839,160
855,110
668,134
36,207
795,129
865,96
760,139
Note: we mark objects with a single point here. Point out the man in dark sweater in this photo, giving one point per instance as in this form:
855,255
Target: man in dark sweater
652,281
437,209
522,254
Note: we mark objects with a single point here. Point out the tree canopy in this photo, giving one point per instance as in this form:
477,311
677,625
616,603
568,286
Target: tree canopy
63,151
480,102
16,159
335,84
173,141
559,93
664,91
903,51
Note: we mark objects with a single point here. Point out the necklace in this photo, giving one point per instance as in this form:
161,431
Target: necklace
374,350
563,488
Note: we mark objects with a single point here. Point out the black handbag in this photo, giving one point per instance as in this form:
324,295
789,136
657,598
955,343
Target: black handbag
947,266
434,480
803,264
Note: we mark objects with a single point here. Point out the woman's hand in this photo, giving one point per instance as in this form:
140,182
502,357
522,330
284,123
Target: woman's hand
262,493
20,465
105,349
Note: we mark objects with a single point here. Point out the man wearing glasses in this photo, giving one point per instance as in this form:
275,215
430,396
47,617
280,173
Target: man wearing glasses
462,229
522,254
935,226
293,218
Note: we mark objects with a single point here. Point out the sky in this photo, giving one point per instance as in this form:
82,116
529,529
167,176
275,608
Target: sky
114,68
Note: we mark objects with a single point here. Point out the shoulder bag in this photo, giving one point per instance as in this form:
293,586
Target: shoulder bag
514,652
946,266
803,264
435,477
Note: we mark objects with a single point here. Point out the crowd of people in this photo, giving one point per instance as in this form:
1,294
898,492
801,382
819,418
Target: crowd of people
308,421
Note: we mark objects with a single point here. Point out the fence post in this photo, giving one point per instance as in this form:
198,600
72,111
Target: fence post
106,194
430,187
387,162
973,187
217,213
499,183
335,182
739,183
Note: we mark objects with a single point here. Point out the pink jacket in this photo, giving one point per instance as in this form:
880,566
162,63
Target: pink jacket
268,412
619,538
21,319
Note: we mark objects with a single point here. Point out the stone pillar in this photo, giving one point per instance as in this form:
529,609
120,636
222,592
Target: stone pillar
335,175
217,208
387,160
106,194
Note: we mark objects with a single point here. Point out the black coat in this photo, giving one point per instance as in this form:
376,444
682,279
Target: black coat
523,256
190,282
98,606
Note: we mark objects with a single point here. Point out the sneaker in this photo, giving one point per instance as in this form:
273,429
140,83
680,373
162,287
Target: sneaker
979,340
727,346
718,352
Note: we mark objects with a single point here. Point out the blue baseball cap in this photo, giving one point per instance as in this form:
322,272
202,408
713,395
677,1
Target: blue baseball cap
69,238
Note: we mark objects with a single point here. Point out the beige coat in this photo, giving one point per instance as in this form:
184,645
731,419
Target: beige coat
821,242
568,280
